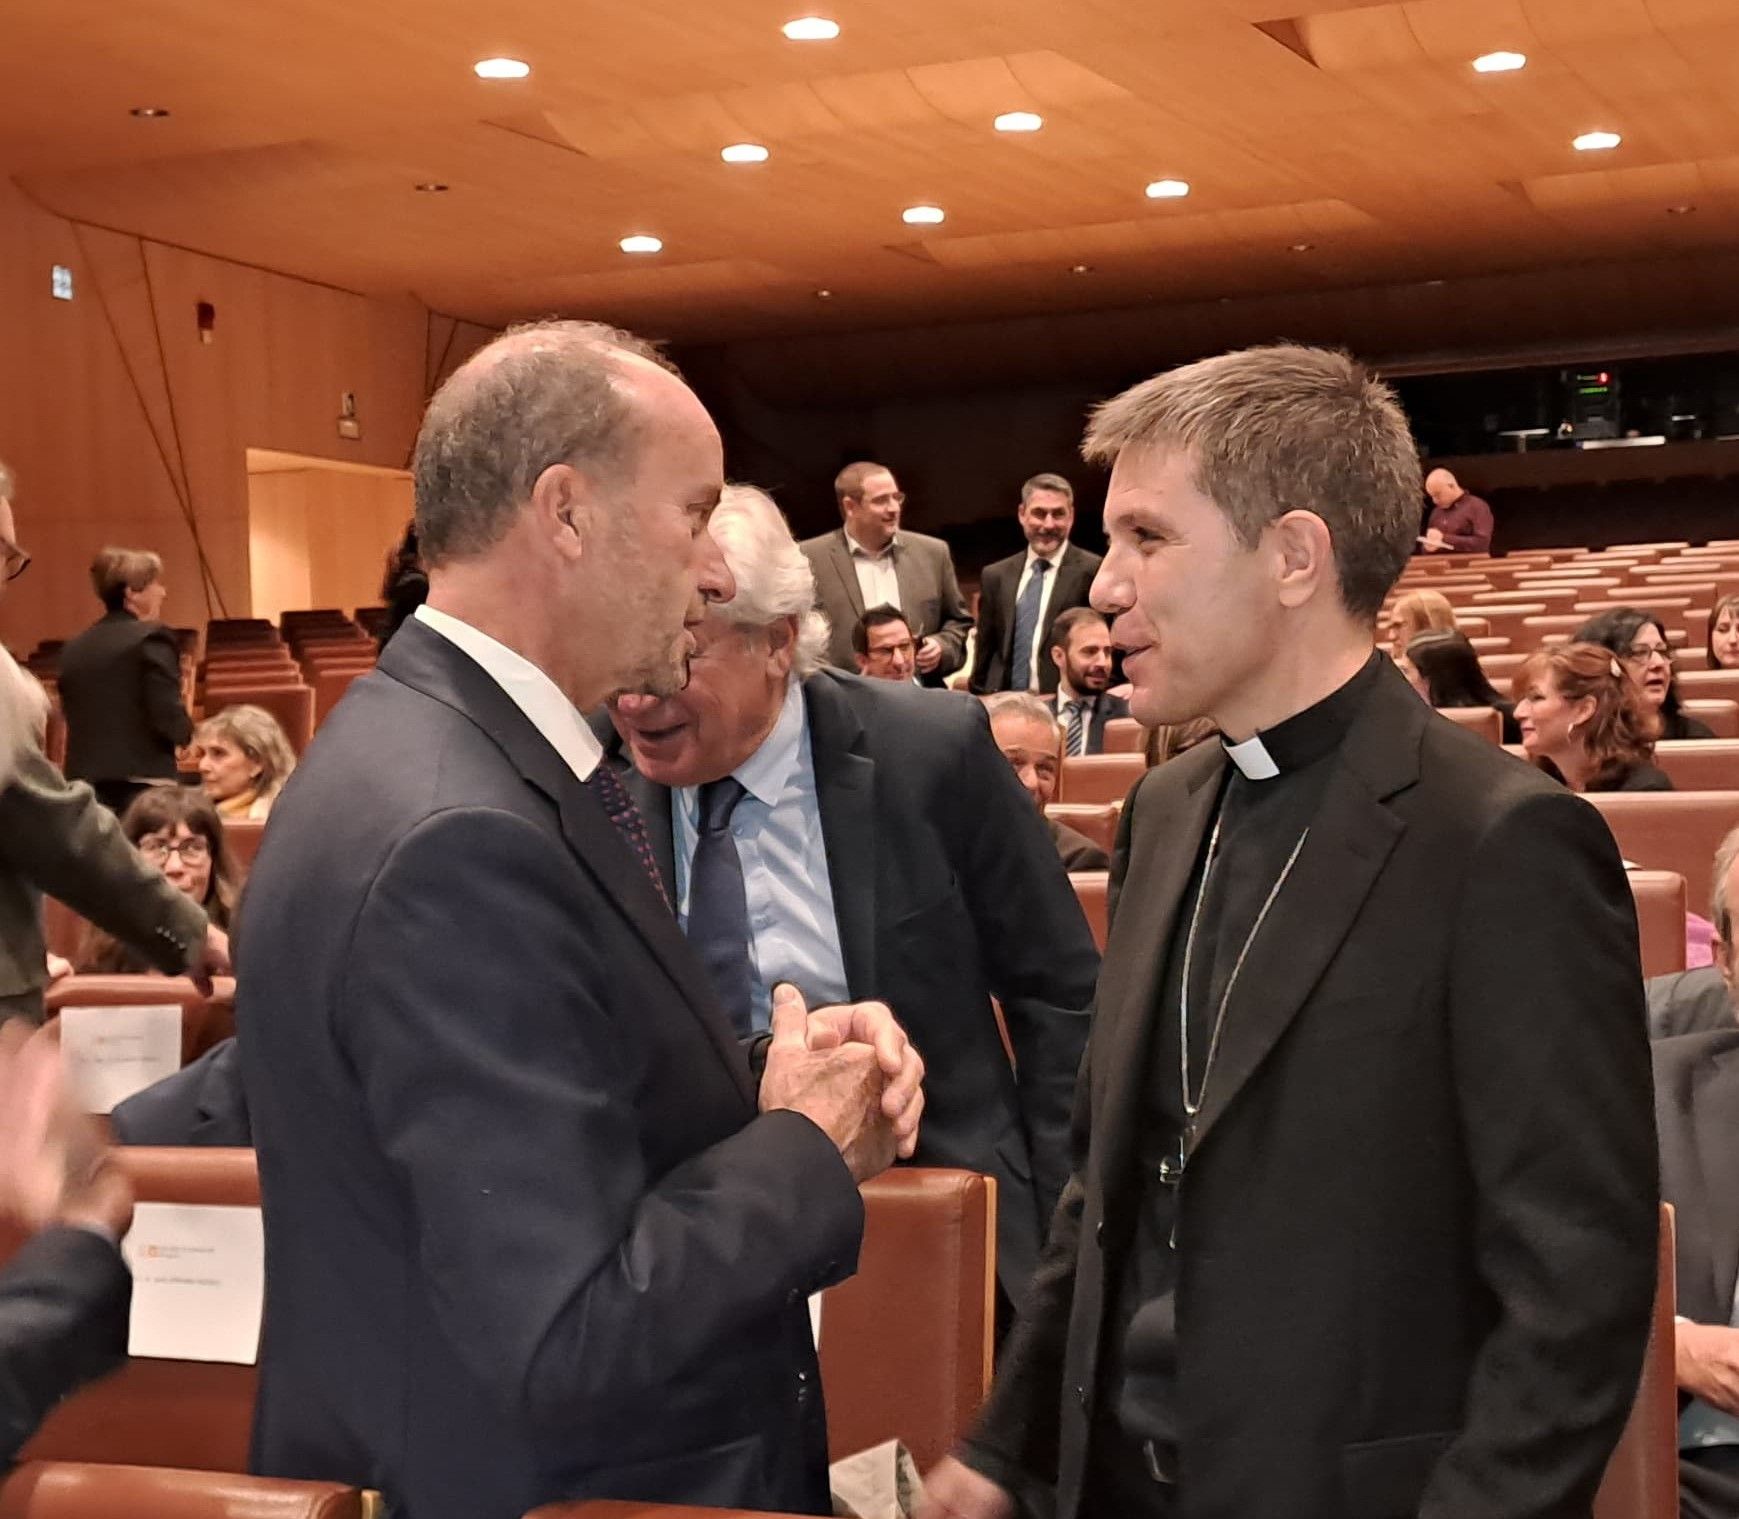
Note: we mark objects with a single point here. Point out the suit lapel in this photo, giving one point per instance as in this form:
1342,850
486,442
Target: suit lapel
1005,589
1715,1104
909,576
845,792
655,804
839,552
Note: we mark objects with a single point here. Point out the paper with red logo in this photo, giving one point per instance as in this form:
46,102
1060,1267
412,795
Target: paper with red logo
199,1281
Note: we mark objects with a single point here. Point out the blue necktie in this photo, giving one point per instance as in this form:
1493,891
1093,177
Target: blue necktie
1026,627
718,905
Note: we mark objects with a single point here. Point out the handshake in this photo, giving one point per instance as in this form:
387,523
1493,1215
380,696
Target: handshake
852,1072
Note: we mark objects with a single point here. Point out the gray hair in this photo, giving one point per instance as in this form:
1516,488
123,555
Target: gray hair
773,575
1047,482
1720,909
1286,428
541,394
23,715
1022,704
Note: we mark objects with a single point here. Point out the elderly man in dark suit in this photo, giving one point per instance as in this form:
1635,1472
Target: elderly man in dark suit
860,839
1363,1211
538,1224
1021,597
869,561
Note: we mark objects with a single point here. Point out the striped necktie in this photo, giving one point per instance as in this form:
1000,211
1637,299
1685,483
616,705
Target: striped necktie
620,809
1076,742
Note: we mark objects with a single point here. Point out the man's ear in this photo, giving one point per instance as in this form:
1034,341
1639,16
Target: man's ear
561,507
1305,549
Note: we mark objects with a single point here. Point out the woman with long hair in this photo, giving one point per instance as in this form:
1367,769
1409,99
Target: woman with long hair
244,759
1419,612
1584,720
1445,669
1723,634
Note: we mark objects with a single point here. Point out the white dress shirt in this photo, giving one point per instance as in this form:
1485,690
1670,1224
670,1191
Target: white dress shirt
532,691
1050,584
877,580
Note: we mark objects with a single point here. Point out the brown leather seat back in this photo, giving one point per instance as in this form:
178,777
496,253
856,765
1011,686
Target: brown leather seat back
1719,713
243,836
190,1414
204,1021
1669,830
1487,722
1097,820
1660,919
1123,735
1642,1478
1091,889
290,702
1099,777
906,1343
80,1490
1700,764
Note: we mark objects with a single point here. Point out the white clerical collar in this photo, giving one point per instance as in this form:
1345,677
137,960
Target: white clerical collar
1253,760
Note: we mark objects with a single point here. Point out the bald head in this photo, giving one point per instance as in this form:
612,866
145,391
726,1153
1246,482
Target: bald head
576,393
1442,487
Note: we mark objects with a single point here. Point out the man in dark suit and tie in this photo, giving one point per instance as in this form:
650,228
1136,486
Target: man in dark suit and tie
538,1227
1080,652
1362,1220
1021,597
869,561
857,838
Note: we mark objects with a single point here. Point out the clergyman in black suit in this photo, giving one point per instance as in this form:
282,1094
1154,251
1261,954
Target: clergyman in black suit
539,1226
1021,597
1363,1215
120,684
857,838
1081,654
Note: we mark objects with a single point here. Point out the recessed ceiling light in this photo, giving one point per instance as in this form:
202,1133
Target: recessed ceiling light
811,29
641,243
1168,189
150,112
1301,248
500,68
1596,142
1018,121
432,187
1685,210
923,216
1499,63
824,295
1080,269
744,153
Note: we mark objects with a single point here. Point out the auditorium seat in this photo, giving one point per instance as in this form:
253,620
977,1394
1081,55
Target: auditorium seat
1642,1476
1660,897
1708,683
1091,888
1700,764
87,1490
1099,777
906,1343
1720,713
191,1414
1535,630
1487,722
243,836
292,705
1123,735
1510,621
1670,830
329,687
605,1508
205,1021
1098,820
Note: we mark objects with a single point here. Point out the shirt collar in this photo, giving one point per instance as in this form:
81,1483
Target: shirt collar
528,687
858,551
1306,736
1053,560
765,773
1067,693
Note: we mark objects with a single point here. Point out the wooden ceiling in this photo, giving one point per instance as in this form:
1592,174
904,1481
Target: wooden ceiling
300,128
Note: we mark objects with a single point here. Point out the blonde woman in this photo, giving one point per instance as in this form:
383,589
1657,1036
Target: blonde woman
1419,612
244,760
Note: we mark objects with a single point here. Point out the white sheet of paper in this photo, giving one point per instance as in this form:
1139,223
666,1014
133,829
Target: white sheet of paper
113,1052
815,1319
199,1282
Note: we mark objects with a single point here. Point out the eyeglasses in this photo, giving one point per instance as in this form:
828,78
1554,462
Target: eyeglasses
14,562
886,498
889,650
194,851
1641,653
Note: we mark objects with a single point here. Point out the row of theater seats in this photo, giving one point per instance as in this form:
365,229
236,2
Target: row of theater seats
298,674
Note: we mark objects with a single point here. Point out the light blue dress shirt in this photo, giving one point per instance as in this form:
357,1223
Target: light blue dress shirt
777,828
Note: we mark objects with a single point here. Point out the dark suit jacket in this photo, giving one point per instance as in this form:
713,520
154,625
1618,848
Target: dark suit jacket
1107,707
1688,1002
527,1236
994,648
63,1320
929,596
120,687
947,892
1075,849
201,1104
1417,1233
1697,1114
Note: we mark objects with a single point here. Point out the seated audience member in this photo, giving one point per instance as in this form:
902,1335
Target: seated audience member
1697,1116
883,644
1169,740
1026,731
1444,668
120,684
1583,720
244,760
1640,639
1723,637
1081,651
1419,612
201,1104
864,840
177,829
1460,522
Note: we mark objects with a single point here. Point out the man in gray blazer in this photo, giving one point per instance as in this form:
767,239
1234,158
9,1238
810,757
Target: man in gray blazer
869,562
57,838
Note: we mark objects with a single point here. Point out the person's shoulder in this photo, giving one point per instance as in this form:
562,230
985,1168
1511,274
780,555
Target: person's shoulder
997,568
1086,558
821,541
1077,851
1676,1056
925,543
1645,777
891,711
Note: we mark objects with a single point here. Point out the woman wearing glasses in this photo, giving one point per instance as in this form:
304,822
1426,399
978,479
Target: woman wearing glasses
1639,639
176,829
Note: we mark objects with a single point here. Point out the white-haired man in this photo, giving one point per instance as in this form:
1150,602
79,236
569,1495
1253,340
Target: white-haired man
860,838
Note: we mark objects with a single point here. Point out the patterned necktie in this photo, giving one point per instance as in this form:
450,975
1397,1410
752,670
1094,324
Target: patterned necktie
718,904
1077,739
620,809
1026,627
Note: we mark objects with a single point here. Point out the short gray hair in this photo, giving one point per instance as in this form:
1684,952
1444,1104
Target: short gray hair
541,394
1022,704
23,714
1720,909
1286,428
773,575
1047,482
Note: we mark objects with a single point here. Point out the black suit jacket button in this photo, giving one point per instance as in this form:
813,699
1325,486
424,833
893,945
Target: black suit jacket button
1099,1232
1081,1397
793,1297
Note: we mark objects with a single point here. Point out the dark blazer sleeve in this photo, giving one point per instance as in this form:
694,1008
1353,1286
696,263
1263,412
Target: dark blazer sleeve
575,1285
202,1104
1551,1063
57,835
160,669
956,619
988,646
63,1321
